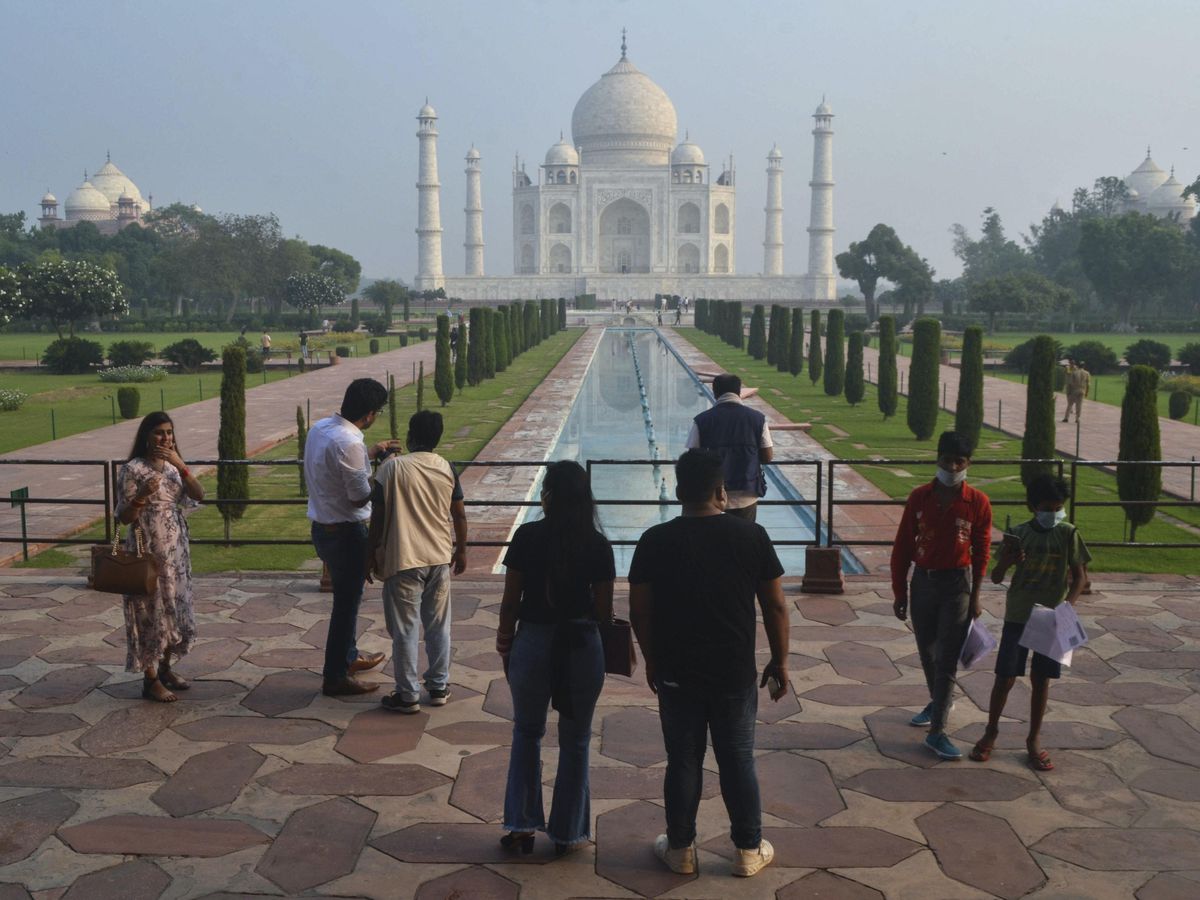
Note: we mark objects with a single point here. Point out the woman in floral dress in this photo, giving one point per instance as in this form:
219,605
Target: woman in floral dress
153,489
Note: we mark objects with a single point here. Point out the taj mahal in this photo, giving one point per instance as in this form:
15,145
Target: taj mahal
625,211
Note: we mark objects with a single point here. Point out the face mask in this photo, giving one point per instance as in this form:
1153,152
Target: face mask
951,479
1049,519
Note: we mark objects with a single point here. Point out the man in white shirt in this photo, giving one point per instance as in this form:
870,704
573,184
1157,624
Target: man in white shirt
337,472
740,434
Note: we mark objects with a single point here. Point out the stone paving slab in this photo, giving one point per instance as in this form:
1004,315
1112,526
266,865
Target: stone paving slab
133,835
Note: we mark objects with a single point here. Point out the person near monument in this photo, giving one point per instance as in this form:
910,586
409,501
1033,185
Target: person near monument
304,345
265,342
1078,381
337,470
945,538
693,584
415,500
1051,560
558,587
741,437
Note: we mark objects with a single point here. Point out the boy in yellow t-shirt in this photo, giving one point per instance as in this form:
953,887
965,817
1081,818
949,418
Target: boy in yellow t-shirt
1050,559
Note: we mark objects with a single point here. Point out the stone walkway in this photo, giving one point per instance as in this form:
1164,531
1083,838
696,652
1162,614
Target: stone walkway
256,785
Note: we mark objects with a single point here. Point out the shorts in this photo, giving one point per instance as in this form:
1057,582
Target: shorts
1011,657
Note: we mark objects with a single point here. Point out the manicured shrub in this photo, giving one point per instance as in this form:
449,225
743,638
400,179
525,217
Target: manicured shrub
1017,359
72,356
968,414
127,374
129,353
757,346
423,332
1139,442
886,377
1179,404
373,346
1189,355
443,376
342,351
855,388
816,362
402,340
233,481
189,355
835,353
1150,353
1038,441
12,400
128,401
1096,357
923,373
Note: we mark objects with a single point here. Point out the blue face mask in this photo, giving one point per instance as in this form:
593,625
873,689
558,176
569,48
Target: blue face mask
1048,519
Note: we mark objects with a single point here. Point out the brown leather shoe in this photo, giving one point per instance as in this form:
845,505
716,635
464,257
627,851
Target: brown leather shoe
366,661
344,687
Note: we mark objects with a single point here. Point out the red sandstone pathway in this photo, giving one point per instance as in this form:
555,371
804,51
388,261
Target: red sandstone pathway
1099,433
270,418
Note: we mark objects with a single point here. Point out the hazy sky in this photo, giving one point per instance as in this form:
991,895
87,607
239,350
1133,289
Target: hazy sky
307,109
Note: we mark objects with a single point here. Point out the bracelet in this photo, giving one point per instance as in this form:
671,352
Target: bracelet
184,473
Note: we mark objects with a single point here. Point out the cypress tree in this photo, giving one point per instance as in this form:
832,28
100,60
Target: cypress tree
854,369
923,378
489,343
393,419
773,335
887,366
354,313
714,321
562,313
796,345
460,362
783,340
1039,439
443,377
532,338
301,438
233,481
503,357
421,386
816,362
700,319
544,323
757,345
475,347
968,413
1139,442
514,329
835,353
737,326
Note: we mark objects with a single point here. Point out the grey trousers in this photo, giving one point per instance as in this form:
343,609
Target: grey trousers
940,603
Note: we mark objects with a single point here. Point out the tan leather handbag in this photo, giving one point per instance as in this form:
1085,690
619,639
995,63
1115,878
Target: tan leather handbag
117,571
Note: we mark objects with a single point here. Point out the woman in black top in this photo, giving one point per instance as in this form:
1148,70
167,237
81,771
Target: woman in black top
559,585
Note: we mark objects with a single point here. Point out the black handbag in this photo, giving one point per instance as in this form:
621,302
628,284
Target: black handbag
117,571
619,655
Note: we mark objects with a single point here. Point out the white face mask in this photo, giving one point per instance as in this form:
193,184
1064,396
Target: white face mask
1048,519
951,479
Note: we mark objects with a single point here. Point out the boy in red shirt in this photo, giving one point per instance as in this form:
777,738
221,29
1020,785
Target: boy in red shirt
945,533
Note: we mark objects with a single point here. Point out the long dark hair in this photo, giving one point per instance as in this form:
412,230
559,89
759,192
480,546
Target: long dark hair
570,510
141,443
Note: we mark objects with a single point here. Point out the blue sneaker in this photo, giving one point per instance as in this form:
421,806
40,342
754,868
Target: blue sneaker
942,746
923,718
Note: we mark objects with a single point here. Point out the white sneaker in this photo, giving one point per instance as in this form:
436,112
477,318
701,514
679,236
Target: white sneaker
681,860
751,862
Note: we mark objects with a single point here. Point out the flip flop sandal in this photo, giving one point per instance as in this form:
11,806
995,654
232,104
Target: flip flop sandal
1041,762
981,752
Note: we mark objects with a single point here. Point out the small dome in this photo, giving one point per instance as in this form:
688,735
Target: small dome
1169,198
1146,178
85,202
687,154
562,154
775,153
49,198
472,153
427,112
824,109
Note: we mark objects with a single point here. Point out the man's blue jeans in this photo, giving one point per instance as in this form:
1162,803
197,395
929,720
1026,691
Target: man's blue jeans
529,679
687,716
343,548
412,600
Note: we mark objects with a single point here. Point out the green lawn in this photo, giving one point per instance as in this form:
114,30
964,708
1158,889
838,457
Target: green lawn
860,432
1006,340
1109,389
471,420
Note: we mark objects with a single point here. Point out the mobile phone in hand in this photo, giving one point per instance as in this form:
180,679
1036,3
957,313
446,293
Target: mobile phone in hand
774,686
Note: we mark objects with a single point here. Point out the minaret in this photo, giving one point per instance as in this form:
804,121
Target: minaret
821,281
773,242
429,213
474,211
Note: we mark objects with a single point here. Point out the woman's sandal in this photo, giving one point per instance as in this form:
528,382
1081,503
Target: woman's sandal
518,840
1040,761
153,689
173,681
981,752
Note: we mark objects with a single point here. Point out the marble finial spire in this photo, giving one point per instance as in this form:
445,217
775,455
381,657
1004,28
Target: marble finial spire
623,45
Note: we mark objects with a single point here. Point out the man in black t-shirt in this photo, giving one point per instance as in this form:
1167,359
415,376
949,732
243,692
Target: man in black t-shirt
692,589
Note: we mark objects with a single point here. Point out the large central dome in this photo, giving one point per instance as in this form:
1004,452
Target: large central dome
624,118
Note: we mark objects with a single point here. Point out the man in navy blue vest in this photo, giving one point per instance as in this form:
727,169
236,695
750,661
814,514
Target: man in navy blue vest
740,434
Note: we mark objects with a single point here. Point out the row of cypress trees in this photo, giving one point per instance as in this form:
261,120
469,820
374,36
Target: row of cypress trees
495,337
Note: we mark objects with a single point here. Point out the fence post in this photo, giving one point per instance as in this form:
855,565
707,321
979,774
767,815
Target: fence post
162,399
200,386
1077,427
1193,497
108,504
53,427
1074,481
112,402
829,508
817,506
1000,414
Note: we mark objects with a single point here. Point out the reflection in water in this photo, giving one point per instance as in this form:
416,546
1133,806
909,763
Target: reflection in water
637,402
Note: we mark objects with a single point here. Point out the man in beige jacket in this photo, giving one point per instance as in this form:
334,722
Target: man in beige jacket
415,501
1077,383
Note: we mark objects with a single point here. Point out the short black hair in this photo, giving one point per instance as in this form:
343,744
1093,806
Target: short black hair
698,474
1046,487
951,443
424,429
363,397
726,384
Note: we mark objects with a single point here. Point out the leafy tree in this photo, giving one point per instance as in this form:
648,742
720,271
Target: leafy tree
757,347
815,361
1132,260
1146,352
443,377
968,415
233,481
1189,355
65,292
993,254
913,277
855,387
129,353
338,265
887,366
878,256
475,352
796,343
188,355
1021,292
1019,357
923,374
310,290
835,353
950,294
12,300
1139,442
1039,438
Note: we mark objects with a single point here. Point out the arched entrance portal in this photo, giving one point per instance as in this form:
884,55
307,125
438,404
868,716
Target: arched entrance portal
624,237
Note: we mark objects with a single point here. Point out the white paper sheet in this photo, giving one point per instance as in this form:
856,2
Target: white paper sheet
979,643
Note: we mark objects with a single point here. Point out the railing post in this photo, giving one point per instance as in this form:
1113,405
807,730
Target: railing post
1000,414
1193,497
108,496
1074,480
817,506
829,508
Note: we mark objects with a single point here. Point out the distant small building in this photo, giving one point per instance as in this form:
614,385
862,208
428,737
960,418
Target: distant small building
1153,191
109,200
